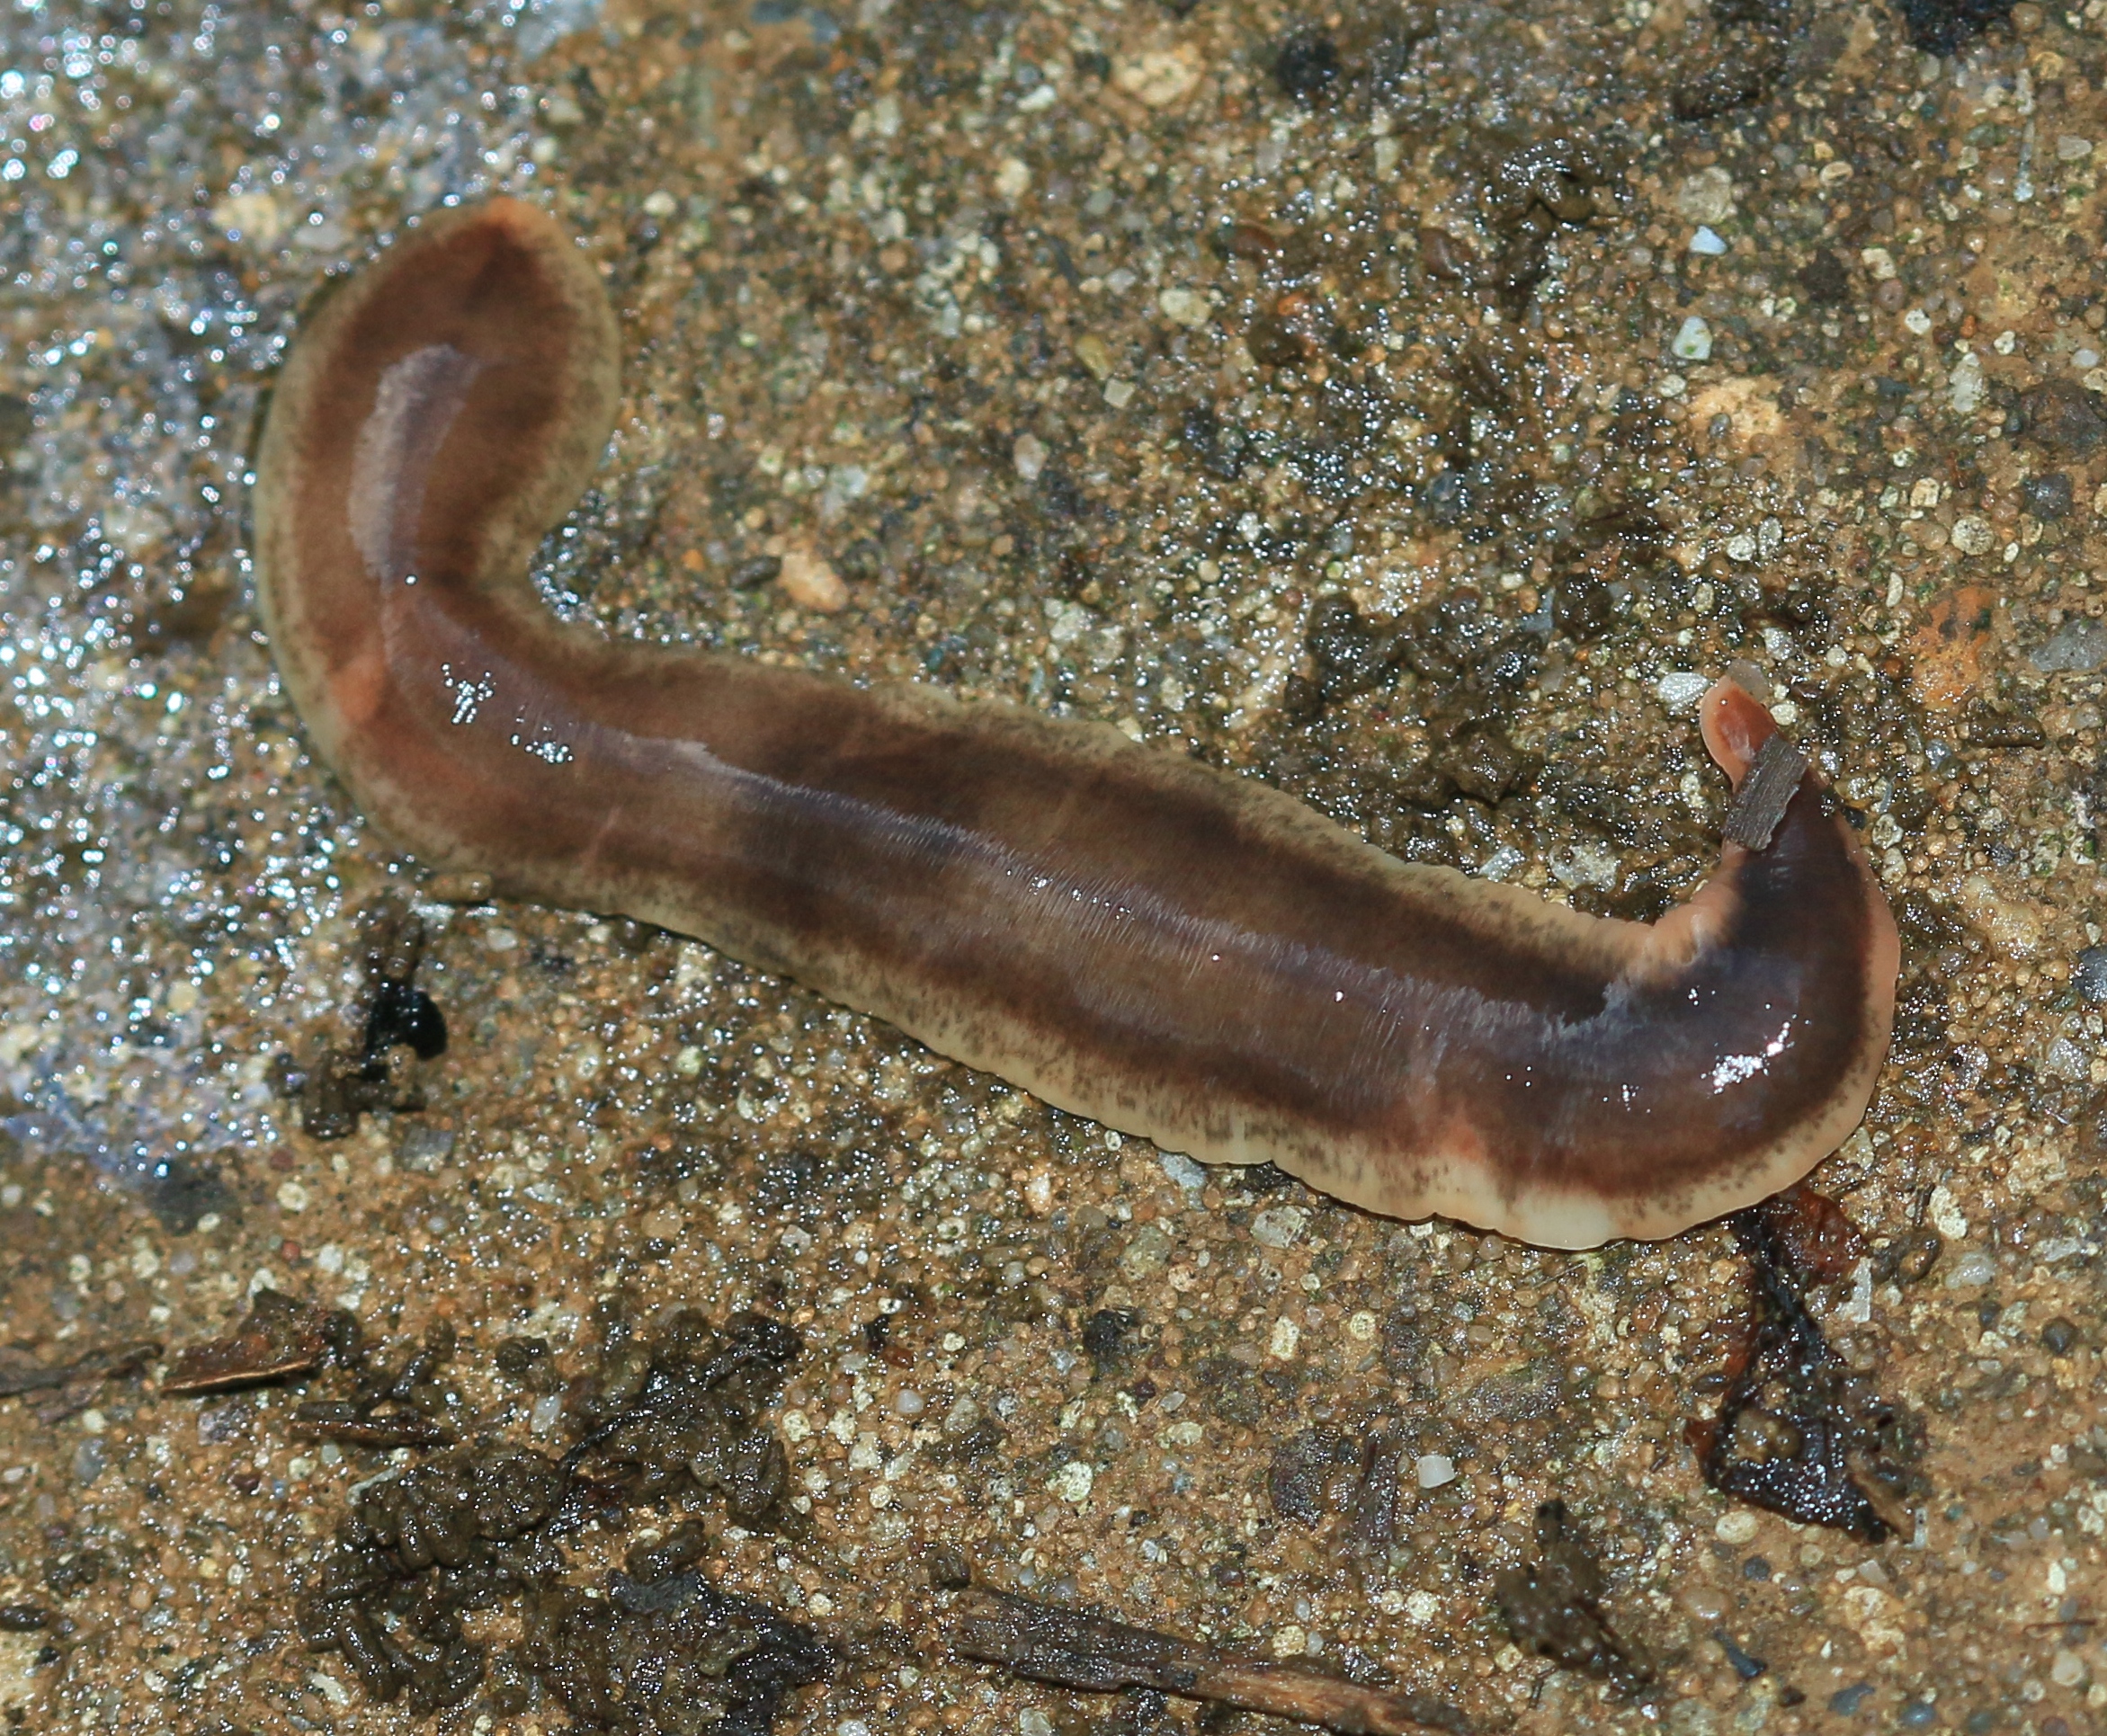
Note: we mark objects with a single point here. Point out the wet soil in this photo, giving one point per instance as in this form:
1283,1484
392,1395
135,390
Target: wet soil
1412,406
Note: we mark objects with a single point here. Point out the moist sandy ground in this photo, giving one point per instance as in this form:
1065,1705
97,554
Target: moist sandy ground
1084,354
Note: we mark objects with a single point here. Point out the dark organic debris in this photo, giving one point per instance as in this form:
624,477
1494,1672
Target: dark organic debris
1314,1473
401,1026
452,1534
1598,564
1553,1606
24,1618
1744,67
1529,196
1795,1426
278,1337
1821,1242
1374,1528
1773,781
390,1407
1943,26
112,1362
1045,1642
73,1571
659,1648
1349,654
664,1650
681,1413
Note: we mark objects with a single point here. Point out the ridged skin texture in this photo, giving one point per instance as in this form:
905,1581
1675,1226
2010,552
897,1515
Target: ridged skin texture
1171,951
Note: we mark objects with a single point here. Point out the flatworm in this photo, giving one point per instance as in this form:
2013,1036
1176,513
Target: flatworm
1171,951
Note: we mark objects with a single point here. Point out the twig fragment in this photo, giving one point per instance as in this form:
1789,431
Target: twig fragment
1766,792
1049,1644
96,1366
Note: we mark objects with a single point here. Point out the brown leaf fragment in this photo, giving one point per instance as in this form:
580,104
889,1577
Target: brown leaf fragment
1553,1606
1048,1643
278,1337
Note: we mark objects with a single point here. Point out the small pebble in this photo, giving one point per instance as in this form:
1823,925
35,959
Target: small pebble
1708,241
1434,1469
811,584
1972,1270
2090,978
2059,1336
1680,691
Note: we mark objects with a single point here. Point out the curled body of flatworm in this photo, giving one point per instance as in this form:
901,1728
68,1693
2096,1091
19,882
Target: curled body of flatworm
1171,951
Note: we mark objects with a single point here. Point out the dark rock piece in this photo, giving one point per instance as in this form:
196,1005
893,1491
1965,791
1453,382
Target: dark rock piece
24,1618
1553,1606
752,574
2059,1336
1308,67
1105,1335
1274,343
1746,1666
2062,417
1827,279
2049,497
